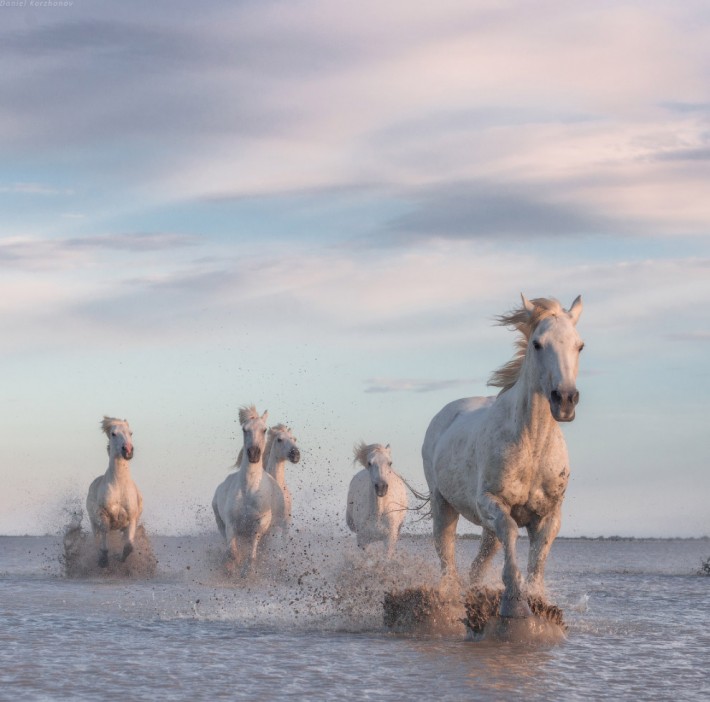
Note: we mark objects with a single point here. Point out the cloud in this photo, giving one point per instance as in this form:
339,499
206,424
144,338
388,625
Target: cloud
45,253
416,385
33,189
486,210
132,242
691,336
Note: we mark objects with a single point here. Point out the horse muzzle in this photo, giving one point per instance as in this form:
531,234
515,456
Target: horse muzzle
381,489
253,454
294,455
127,452
563,403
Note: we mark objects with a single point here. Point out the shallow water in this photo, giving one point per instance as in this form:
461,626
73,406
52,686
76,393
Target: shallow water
309,625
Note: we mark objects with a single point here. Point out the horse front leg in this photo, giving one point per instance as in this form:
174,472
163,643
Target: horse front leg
542,534
445,519
103,548
486,551
251,558
129,538
101,529
391,541
497,518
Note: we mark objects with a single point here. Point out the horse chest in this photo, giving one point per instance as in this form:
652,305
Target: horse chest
532,479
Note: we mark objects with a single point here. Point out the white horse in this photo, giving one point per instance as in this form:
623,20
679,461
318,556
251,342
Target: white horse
281,447
249,502
114,501
502,462
377,498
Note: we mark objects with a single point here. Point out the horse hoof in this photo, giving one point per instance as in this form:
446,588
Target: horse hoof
514,607
127,550
103,559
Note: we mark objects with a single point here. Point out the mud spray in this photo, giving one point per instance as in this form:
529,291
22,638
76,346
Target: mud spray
307,580
80,558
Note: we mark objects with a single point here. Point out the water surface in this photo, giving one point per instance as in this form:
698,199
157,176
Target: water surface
309,626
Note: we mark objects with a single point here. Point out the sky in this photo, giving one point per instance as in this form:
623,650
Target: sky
319,208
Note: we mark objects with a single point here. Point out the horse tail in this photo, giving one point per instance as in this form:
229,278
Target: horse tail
424,501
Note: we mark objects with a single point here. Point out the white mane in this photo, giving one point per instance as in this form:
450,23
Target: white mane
525,322
108,422
247,413
362,450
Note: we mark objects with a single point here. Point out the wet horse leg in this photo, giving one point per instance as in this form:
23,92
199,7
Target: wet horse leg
542,534
101,530
488,548
445,519
513,603
130,535
251,558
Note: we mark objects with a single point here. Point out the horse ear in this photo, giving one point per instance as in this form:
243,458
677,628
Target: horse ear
265,416
387,447
529,307
576,309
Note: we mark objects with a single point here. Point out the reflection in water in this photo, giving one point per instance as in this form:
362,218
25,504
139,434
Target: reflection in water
490,667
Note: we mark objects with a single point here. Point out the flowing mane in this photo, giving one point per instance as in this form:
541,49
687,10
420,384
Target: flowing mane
362,450
525,322
108,422
247,413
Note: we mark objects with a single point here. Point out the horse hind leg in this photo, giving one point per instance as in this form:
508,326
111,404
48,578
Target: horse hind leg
486,551
445,519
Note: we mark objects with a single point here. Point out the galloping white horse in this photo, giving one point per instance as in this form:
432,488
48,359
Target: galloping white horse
377,498
114,501
281,447
249,502
502,462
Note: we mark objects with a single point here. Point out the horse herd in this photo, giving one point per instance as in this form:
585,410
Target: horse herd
500,462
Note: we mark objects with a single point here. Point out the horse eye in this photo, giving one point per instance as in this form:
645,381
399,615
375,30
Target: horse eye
536,344
113,433
279,440
390,464
581,348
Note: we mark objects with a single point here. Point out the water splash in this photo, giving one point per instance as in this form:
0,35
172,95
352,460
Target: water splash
80,558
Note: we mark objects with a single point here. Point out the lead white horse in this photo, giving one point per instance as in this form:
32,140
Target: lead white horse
114,501
281,447
502,462
249,502
377,498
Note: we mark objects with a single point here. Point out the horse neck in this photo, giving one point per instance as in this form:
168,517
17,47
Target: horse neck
276,468
119,470
531,409
252,473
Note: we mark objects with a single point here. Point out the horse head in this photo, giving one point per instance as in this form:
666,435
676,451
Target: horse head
377,459
120,441
553,349
254,429
283,444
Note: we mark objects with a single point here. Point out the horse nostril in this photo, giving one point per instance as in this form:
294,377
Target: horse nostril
575,397
556,396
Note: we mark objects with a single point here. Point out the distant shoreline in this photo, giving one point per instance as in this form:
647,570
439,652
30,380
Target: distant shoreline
409,537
